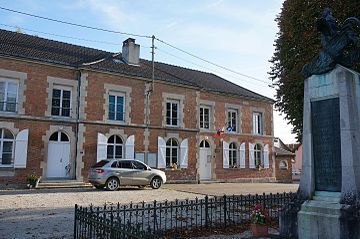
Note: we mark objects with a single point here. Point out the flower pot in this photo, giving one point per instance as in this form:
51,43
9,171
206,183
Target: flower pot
259,230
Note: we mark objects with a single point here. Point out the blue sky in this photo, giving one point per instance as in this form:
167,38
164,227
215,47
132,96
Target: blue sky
237,34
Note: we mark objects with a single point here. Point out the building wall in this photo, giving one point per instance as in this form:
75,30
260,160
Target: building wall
283,174
94,88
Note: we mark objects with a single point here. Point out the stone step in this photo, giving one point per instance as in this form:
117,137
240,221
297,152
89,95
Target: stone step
333,197
62,184
321,207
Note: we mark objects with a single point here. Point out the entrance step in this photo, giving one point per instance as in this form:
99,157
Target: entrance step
62,184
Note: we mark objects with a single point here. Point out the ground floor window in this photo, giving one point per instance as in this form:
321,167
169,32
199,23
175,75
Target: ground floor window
172,149
6,147
258,155
115,147
232,155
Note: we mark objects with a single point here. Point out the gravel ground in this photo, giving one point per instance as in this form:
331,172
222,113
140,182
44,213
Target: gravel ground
50,213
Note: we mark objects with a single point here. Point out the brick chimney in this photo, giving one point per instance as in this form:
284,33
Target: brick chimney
131,52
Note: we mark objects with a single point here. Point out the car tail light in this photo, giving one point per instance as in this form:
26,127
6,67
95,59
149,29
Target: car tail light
100,170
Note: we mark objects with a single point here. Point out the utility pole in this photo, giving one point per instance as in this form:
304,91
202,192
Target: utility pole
149,90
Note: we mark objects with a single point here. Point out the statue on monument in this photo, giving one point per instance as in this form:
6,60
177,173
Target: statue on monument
339,45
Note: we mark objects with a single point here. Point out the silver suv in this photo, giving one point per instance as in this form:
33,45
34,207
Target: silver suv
113,173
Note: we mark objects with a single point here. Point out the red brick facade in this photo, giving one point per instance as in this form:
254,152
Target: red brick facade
83,128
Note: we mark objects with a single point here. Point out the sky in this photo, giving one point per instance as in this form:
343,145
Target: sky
236,34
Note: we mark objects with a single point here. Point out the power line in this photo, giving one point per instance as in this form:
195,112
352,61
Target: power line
57,35
209,62
74,24
193,63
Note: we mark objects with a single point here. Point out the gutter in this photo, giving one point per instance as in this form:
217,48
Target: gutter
78,78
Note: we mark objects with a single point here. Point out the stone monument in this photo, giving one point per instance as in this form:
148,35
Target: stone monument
330,180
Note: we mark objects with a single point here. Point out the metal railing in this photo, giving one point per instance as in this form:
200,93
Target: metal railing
154,220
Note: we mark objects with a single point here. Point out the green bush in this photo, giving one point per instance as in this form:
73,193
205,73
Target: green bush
32,179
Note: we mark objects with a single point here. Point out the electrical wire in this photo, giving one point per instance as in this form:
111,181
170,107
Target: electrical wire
209,62
74,24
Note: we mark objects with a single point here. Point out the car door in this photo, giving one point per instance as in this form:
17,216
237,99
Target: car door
126,171
141,174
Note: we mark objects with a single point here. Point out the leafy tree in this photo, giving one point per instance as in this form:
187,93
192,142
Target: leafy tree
297,43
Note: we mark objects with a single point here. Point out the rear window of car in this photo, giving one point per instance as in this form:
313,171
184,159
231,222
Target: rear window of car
125,164
100,164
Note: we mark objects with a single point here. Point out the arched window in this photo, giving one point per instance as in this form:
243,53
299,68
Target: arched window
115,147
6,147
172,150
232,155
204,144
258,155
283,164
59,137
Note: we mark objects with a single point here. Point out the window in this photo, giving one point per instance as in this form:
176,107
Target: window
8,95
6,147
257,123
232,155
115,147
59,137
283,164
61,102
125,164
258,155
116,107
172,148
172,113
204,144
138,165
232,120
204,117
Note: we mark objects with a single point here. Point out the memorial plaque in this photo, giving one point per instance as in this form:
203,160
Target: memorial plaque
325,128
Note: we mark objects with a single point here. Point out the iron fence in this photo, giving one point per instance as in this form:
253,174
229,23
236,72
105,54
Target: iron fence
157,219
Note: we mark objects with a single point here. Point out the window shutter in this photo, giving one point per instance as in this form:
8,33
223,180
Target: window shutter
242,155
251,156
184,154
266,156
101,147
225,154
21,144
254,123
161,153
129,147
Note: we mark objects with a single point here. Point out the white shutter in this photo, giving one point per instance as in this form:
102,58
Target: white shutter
254,123
161,153
225,154
266,156
129,147
101,147
251,156
21,144
242,155
184,154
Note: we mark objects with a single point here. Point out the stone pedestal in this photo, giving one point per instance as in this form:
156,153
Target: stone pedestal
331,149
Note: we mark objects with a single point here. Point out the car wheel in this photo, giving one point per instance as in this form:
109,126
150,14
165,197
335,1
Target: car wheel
156,183
99,186
112,184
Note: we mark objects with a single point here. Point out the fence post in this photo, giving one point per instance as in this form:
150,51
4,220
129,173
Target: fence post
224,210
206,210
75,221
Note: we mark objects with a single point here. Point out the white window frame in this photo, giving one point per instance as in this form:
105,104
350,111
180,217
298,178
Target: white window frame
229,119
2,140
61,88
7,81
177,112
116,94
257,123
202,120
170,147
261,159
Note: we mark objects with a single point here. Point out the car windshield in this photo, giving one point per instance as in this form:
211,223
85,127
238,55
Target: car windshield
100,163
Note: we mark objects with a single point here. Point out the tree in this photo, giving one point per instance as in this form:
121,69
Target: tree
297,43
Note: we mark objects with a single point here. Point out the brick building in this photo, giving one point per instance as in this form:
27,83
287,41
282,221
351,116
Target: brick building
64,107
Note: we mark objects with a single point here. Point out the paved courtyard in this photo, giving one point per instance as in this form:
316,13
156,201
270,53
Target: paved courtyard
49,213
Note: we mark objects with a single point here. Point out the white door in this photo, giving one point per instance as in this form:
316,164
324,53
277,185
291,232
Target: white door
205,161
58,156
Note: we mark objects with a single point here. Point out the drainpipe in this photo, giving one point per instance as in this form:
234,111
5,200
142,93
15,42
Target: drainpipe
78,78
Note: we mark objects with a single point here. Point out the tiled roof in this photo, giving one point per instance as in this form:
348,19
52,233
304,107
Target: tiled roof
40,49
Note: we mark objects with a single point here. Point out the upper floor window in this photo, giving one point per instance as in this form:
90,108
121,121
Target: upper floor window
257,123
232,155
6,147
116,107
172,113
232,120
204,117
115,147
8,95
172,148
258,155
61,102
